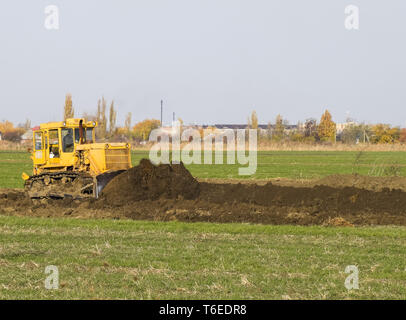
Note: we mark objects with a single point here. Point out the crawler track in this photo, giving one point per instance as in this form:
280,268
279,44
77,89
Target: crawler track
58,185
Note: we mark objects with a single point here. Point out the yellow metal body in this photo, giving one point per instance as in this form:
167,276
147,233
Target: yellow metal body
70,146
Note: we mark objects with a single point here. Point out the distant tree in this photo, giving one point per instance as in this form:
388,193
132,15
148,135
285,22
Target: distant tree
121,134
279,131
9,132
384,133
68,111
143,129
127,124
101,130
297,136
254,120
14,135
112,119
402,137
355,133
6,126
89,116
327,128
180,125
269,130
310,127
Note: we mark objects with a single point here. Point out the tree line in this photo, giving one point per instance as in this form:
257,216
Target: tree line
325,131
107,122
310,131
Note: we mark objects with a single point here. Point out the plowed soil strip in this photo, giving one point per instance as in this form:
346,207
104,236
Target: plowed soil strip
168,192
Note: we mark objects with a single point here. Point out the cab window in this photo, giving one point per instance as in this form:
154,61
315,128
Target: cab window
53,144
77,136
38,140
67,140
89,135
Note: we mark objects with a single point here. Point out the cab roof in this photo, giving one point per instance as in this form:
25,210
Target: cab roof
69,123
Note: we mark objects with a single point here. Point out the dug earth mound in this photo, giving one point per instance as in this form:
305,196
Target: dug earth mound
170,192
149,182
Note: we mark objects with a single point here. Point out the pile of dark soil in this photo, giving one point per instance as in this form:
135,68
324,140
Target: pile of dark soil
346,200
149,182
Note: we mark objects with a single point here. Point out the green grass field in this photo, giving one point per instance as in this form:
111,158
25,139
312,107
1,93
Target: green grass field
154,260
271,164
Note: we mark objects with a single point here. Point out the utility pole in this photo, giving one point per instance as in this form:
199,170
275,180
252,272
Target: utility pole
162,103
173,119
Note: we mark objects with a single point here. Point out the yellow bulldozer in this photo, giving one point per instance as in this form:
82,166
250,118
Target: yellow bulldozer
68,163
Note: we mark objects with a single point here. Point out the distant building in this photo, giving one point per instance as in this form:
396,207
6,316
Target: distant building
341,126
27,136
262,128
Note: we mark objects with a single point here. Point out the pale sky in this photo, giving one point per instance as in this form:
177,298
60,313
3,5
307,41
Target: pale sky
211,61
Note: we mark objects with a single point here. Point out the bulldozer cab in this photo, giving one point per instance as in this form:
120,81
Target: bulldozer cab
55,142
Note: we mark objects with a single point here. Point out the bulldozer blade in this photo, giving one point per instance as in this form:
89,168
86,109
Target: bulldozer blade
103,179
